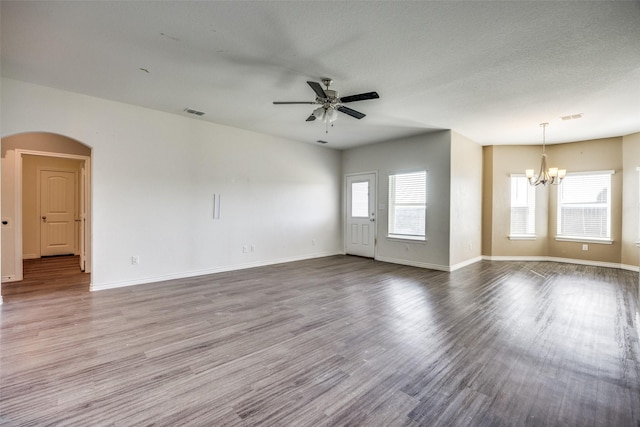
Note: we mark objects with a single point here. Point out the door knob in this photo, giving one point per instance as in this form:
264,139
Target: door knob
44,219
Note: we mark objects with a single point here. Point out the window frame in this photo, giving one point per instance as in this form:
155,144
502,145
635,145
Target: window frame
391,205
638,208
585,239
531,197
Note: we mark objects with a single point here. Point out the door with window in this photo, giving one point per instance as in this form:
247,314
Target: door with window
360,224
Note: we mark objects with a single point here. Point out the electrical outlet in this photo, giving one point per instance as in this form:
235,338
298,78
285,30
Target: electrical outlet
245,249
585,247
313,242
253,248
135,260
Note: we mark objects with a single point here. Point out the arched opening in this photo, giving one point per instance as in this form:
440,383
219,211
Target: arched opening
46,207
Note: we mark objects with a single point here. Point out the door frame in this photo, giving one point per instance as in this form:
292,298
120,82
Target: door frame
345,209
18,205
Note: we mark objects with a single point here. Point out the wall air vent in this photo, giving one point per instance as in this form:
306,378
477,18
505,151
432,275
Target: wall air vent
321,141
192,111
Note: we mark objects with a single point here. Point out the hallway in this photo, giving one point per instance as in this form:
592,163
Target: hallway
44,276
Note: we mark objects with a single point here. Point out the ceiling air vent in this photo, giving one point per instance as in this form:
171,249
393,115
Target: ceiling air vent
572,117
192,111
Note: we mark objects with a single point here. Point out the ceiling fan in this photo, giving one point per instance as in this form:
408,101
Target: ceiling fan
330,102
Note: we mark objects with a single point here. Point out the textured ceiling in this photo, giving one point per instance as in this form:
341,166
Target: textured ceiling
491,71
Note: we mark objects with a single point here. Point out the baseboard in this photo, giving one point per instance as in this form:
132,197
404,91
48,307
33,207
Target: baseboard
30,256
630,267
515,258
462,264
413,263
204,272
468,262
448,268
563,260
439,267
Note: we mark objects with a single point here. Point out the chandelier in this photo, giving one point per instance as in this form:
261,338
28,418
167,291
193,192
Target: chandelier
551,176
327,114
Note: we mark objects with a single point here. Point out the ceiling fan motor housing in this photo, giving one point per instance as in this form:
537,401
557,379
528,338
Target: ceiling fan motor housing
332,95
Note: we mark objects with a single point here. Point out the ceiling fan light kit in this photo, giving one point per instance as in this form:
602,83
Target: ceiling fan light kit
547,175
330,103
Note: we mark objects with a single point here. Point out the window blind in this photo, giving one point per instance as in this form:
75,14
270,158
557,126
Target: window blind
523,207
408,205
584,206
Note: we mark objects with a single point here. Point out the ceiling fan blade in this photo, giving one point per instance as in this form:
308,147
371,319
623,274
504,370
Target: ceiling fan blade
317,89
360,97
311,118
350,112
293,102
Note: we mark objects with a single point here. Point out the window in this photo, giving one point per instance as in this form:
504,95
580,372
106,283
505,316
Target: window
584,207
408,205
523,208
360,199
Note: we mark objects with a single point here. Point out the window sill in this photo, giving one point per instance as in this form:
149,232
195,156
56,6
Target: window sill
584,240
522,237
407,238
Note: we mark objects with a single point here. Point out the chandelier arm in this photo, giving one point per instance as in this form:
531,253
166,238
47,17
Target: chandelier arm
543,175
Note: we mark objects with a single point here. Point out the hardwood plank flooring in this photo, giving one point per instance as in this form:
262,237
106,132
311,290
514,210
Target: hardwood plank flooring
330,342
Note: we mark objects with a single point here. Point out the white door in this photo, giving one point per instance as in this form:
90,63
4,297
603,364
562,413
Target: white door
360,230
57,212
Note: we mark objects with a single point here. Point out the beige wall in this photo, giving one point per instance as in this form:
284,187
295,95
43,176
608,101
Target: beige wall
594,155
31,166
9,229
506,160
602,154
630,198
487,200
466,199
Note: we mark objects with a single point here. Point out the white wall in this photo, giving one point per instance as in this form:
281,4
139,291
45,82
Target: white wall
466,200
428,151
154,176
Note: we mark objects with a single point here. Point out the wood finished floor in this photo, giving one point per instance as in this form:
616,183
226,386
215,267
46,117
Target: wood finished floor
330,342
47,276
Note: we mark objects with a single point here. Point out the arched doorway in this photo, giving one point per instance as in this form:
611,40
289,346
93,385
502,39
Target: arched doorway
26,159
